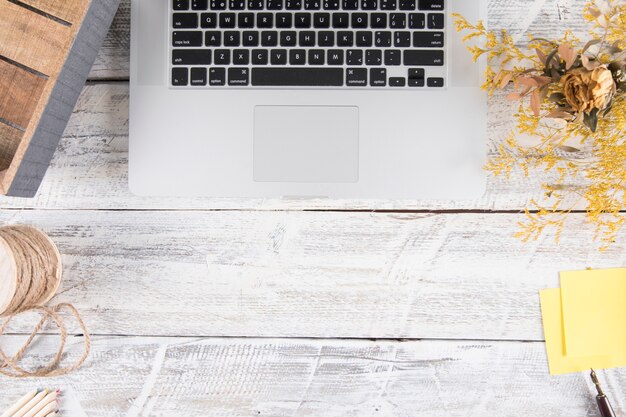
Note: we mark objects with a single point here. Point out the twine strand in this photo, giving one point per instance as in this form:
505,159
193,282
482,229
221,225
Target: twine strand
38,274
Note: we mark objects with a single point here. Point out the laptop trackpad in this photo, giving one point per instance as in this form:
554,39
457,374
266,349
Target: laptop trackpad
306,144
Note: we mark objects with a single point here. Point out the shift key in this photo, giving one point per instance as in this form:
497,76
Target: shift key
423,58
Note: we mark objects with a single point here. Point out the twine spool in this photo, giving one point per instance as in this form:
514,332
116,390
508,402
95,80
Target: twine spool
30,275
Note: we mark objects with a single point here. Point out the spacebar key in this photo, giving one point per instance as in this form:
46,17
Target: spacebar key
297,77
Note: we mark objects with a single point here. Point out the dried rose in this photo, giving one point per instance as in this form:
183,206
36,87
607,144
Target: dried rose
587,90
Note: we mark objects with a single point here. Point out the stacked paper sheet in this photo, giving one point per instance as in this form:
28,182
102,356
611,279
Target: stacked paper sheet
584,321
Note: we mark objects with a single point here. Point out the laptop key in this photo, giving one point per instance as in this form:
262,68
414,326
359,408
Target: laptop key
185,20
388,5
331,4
335,56
431,4
369,4
274,4
213,38
250,38
364,39
417,20
356,77
402,39
288,38
297,57
236,4
354,57
306,38
217,76
180,4
180,76
423,58
407,4
435,82
278,57
256,4
222,56
232,38
397,20
359,20
241,57
312,4
416,77
227,20
191,57
187,38
265,20
269,38
316,57
397,81
435,21
345,38
297,77
321,20
392,57
303,20
238,76
208,20
378,77
293,4
218,4
199,4
198,77
245,20
373,57
378,20
428,39
259,57
284,20
382,39
325,38
341,20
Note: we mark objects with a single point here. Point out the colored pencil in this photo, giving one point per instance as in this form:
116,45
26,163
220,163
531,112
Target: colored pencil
32,403
21,403
43,404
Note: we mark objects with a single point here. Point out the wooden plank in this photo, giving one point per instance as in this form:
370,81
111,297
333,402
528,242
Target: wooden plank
71,11
20,92
9,141
32,39
177,377
544,18
294,274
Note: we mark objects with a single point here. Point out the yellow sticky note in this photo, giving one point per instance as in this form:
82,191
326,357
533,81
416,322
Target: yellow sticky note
594,311
558,361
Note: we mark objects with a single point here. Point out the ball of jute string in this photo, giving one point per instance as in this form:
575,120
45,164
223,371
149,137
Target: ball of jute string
30,274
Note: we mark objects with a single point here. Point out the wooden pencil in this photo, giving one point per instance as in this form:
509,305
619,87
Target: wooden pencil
49,399
50,408
20,403
30,404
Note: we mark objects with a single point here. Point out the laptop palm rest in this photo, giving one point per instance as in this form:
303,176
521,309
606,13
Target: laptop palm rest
309,144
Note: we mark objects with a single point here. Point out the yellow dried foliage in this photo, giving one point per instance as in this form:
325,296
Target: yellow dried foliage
564,145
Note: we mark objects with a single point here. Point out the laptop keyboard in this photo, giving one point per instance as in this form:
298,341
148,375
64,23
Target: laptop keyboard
308,43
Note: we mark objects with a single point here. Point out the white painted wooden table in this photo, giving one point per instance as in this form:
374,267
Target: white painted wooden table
207,307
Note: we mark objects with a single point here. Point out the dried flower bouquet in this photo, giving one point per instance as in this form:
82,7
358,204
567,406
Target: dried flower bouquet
573,103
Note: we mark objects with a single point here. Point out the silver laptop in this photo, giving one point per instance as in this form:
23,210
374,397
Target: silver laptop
305,98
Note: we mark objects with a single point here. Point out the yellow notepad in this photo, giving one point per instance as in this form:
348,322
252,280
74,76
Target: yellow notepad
594,312
559,362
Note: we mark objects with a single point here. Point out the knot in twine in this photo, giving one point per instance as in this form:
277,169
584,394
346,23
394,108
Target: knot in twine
30,274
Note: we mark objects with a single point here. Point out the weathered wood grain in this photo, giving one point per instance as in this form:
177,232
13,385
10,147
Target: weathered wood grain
173,377
32,39
20,91
294,274
545,18
71,11
9,141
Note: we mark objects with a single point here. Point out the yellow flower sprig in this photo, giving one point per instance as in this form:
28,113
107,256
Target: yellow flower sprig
573,111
